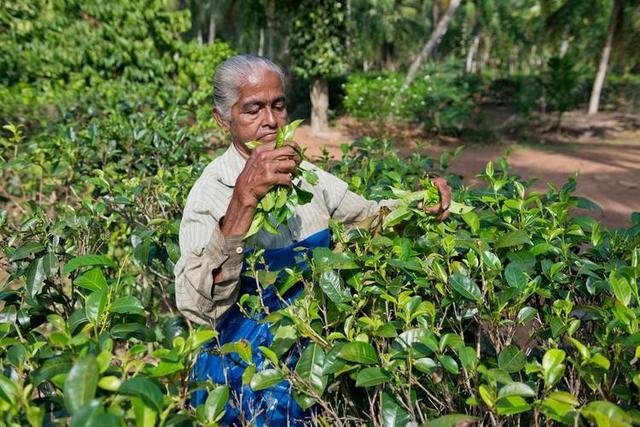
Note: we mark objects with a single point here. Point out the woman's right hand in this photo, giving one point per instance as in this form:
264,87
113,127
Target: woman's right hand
265,168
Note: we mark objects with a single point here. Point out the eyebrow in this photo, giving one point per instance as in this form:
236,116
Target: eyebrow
260,102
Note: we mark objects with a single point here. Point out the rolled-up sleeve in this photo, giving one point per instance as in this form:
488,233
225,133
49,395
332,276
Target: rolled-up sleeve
204,249
346,206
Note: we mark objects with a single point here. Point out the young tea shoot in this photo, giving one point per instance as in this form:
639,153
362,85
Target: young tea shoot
279,204
413,204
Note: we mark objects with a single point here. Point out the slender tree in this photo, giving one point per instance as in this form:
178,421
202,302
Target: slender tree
318,52
615,22
432,42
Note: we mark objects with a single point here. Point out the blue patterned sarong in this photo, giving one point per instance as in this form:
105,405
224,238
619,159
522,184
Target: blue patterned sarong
273,406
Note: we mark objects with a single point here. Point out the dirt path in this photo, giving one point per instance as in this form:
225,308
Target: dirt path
608,163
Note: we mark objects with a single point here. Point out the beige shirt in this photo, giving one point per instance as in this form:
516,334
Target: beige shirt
204,248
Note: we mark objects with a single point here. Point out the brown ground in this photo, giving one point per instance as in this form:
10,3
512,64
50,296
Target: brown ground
604,149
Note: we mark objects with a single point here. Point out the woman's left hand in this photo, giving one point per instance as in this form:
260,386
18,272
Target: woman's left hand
441,211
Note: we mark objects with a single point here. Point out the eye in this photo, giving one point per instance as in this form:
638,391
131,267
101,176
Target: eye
280,106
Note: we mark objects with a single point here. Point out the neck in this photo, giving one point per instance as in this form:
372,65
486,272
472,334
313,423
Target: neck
242,149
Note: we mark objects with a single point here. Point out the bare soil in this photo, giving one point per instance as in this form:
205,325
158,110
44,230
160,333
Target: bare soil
603,149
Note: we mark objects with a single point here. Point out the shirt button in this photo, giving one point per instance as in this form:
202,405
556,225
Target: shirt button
239,250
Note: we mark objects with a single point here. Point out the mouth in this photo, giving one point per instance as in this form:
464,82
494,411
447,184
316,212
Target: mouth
270,137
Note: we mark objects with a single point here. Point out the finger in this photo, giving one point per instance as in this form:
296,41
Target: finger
269,146
281,179
285,166
443,215
277,153
445,192
293,157
434,210
286,151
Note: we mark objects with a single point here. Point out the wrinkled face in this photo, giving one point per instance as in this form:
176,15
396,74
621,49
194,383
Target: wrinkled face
259,111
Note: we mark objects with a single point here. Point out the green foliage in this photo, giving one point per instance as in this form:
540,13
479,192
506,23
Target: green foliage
563,83
54,39
513,312
279,204
96,171
495,313
317,38
439,98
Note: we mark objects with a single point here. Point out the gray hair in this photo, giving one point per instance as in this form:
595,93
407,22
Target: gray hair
230,75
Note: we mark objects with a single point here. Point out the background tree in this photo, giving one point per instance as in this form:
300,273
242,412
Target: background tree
318,51
432,42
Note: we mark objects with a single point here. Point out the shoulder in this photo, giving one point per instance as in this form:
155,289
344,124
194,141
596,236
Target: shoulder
209,195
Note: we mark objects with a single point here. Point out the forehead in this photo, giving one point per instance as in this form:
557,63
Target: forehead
260,85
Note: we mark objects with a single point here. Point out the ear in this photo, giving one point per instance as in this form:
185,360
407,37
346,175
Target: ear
222,122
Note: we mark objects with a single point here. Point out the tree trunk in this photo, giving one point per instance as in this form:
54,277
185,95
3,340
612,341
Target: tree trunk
431,44
319,94
594,102
286,57
347,39
271,13
470,66
388,56
564,46
212,22
261,42
486,51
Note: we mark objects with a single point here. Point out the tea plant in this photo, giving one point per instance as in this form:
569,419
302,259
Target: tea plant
513,313
279,204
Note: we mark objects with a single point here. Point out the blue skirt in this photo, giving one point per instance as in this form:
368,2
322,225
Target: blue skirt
275,405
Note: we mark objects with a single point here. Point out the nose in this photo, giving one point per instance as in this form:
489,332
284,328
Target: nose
270,118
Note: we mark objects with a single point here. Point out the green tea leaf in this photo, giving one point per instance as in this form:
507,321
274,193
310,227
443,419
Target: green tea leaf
369,377
512,405
81,383
452,420
331,284
92,280
552,366
513,238
145,389
310,368
215,403
127,305
241,347
95,305
511,359
516,389
27,249
265,379
359,352
606,414
88,261
464,286
393,415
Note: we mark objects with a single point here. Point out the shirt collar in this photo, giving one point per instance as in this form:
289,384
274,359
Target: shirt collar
232,164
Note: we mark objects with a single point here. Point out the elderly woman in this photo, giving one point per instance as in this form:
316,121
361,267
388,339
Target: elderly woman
250,104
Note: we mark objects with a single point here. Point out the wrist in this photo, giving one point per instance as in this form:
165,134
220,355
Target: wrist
245,199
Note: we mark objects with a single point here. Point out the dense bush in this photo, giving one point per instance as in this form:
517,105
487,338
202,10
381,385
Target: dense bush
440,99
513,312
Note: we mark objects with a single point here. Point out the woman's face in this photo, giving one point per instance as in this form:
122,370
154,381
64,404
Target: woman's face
259,111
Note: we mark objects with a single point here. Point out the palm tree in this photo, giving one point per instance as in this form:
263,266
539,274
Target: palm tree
582,21
432,42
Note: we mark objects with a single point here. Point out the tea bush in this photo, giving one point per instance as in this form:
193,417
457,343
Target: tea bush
440,99
515,312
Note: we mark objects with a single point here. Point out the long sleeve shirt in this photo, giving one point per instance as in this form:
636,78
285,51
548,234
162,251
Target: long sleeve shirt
204,249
